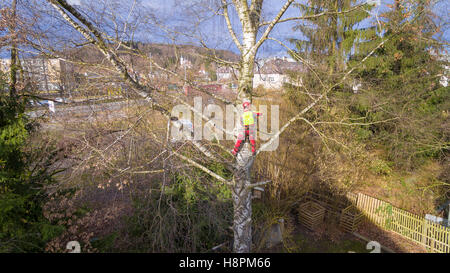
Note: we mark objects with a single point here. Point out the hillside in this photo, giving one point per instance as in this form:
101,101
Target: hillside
164,54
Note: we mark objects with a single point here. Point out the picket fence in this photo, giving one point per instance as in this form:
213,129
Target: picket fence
433,236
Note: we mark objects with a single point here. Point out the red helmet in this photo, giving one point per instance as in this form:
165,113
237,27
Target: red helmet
246,104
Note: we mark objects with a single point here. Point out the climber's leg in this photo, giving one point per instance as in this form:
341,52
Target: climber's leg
251,136
253,142
238,145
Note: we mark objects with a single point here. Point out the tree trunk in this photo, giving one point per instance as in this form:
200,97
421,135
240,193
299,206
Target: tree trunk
13,65
242,202
242,195
246,78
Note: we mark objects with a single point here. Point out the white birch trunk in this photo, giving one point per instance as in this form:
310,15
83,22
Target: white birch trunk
242,196
242,202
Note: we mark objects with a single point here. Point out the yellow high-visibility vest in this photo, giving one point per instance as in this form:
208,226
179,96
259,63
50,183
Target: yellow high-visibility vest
247,118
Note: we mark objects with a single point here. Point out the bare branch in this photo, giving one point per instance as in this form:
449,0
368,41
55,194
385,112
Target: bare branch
229,26
300,58
356,123
272,24
62,6
258,184
311,105
314,15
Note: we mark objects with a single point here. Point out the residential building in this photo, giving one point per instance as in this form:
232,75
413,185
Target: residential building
274,73
226,73
185,63
46,74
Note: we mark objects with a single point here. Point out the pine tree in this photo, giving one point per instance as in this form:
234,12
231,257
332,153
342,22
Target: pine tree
330,39
400,94
23,227
402,76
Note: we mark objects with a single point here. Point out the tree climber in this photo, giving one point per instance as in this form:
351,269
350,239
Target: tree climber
247,131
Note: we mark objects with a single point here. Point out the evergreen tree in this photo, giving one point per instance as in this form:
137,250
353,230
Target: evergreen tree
402,83
399,96
23,228
327,42
331,38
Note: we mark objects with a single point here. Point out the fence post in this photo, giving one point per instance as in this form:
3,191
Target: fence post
359,200
424,232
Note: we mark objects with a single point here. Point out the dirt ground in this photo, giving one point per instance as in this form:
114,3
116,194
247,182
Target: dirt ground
390,239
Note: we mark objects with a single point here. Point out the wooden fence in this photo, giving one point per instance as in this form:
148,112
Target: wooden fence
433,236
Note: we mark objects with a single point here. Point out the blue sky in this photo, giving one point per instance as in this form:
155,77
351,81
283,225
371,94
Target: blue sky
216,35
176,14
213,30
